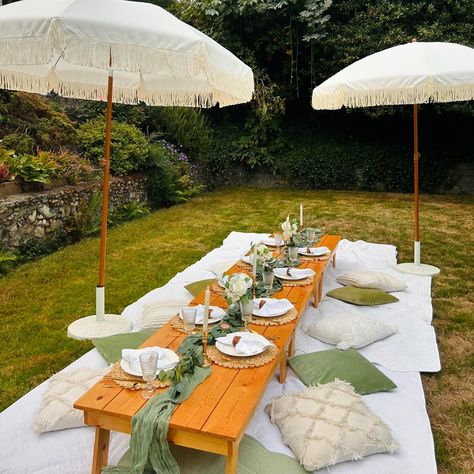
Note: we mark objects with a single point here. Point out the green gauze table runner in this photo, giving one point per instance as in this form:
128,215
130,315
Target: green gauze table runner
111,347
150,451
254,458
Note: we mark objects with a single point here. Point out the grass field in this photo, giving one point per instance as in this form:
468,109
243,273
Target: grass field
40,299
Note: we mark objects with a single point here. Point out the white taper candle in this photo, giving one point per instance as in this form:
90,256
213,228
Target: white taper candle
205,321
254,262
301,215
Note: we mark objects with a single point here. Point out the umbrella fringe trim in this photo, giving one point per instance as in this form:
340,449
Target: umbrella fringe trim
227,88
428,93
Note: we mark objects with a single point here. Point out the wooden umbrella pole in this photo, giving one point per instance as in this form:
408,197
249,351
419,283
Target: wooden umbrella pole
105,188
415,160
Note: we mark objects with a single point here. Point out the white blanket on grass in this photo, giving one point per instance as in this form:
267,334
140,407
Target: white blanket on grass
22,451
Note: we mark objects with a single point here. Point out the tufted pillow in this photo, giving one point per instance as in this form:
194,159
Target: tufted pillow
329,424
56,411
157,314
362,296
373,280
346,330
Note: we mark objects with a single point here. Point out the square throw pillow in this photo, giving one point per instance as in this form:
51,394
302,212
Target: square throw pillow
157,314
373,280
361,296
197,286
56,411
329,424
350,366
349,330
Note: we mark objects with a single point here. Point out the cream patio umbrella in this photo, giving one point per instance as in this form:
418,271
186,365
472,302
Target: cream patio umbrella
126,52
413,73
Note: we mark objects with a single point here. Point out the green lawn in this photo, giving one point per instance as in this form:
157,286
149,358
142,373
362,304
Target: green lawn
40,299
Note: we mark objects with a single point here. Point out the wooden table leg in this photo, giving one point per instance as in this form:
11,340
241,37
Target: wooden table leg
320,289
282,374
291,346
101,450
334,260
232,457
316,295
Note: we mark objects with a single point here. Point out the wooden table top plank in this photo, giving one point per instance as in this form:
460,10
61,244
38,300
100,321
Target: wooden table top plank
224,403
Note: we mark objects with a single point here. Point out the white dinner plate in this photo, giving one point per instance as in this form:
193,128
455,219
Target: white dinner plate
216,315
256,309
232,351
270,242
248,259
297,274
315,251
126,366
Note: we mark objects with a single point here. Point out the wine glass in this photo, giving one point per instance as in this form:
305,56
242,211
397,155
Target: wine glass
268,277
311,234
278,240
246,310
148,363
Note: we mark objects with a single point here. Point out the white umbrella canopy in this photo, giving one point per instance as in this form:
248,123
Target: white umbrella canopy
66,46
412,73
122,51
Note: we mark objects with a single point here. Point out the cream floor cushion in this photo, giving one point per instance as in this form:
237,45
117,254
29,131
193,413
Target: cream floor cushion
373,280
157,314
56,411
329,424
346,330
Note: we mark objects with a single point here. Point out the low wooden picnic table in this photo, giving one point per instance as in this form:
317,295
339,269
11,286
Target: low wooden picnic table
215,416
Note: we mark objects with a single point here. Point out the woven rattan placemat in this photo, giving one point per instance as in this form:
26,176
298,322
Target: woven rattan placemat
286,318
120,377
217,357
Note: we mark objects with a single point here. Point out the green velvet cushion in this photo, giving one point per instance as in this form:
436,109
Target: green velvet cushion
197,286
111,347
361,296
326,366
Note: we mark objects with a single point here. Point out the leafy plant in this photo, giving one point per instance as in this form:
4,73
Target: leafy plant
32,169
128,212
34,248
73,167
20,142
7,260
129,147
87,219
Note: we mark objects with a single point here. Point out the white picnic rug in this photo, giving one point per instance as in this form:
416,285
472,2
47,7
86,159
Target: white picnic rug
70,451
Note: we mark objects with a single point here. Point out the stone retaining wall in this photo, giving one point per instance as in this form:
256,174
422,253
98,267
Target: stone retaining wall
40,214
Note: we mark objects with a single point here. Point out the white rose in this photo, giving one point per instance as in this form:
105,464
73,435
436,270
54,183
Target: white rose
240,287
286,226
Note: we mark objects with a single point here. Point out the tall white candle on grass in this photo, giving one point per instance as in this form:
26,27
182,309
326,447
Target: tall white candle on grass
205,321
301,215
254,262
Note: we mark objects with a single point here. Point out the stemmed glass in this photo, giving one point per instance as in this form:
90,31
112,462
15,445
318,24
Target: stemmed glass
148,363
268,277
246,310
293,253
310,234
278,240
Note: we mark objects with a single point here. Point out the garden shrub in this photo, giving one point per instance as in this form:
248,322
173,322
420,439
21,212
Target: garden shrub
86,221
128,212
7,261
20,142
73,167
129,147
171,177
34,248
55,132
187,127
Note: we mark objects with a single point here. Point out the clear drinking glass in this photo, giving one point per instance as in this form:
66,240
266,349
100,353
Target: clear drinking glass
311,234
246,310
293,253
278,240
148,363
189,319
268,277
